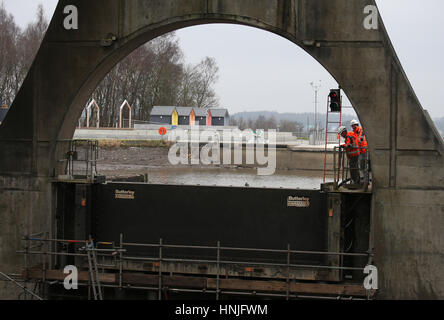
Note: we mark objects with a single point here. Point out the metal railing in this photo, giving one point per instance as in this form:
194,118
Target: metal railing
117,255
342,169
81,159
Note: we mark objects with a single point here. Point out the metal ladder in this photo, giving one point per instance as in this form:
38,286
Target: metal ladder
336,166
94,270
338,122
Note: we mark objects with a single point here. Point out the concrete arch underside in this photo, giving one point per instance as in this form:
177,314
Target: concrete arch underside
407,152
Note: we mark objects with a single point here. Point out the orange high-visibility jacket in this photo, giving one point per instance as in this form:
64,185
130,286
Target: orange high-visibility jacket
351,145
362,141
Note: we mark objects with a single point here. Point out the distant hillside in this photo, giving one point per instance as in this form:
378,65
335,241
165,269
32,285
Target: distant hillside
308,117
302,118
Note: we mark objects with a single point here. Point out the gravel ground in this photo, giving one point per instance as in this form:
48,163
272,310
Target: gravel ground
134,156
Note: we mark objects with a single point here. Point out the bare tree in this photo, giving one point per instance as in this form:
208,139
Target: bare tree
290,126
32,37
266,123
200,81
17,50
10,79
148,76
154,74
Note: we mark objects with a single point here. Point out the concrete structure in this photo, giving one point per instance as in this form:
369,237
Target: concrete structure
220,117
151,132
407,151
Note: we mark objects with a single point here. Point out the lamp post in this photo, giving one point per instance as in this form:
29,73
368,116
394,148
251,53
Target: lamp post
316,89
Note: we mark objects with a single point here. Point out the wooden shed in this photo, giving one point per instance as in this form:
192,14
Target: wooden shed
202,117
164,115
186,116
220,117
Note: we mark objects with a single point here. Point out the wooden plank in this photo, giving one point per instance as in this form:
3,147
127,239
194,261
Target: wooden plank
192,269
210,283
167,281
334,289
52,275
186,282
249,285
278,286
140,279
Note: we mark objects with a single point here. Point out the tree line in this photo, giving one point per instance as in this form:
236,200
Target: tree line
17,50
266,123
154,74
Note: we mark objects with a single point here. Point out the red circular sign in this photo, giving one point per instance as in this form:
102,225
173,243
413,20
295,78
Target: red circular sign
162,131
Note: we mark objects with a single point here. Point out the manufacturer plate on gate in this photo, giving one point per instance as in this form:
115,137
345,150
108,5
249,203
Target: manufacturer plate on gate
124,194
298,202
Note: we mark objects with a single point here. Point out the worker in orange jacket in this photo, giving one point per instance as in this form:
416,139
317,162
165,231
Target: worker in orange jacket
359,131
352,151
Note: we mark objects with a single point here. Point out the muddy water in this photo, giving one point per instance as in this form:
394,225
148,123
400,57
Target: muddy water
219,176
154,162
235,178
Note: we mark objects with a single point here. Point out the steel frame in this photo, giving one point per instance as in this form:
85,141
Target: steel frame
116,253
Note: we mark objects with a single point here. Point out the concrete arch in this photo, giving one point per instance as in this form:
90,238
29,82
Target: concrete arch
407,151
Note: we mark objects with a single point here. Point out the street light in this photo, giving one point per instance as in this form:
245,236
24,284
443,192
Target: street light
316,89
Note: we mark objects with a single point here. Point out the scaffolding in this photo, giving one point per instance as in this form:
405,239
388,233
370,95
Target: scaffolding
114,270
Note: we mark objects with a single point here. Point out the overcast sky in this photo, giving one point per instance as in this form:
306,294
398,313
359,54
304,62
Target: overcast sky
262,71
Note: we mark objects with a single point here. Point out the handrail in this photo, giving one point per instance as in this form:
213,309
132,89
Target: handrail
341,170
243,249
117,249
91,154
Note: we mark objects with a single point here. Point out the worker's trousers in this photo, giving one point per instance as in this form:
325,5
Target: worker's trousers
362,163
353,164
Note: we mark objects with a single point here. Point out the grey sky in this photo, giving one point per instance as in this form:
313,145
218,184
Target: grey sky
261,71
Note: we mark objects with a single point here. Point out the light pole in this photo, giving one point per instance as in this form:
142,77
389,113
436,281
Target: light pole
316,88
